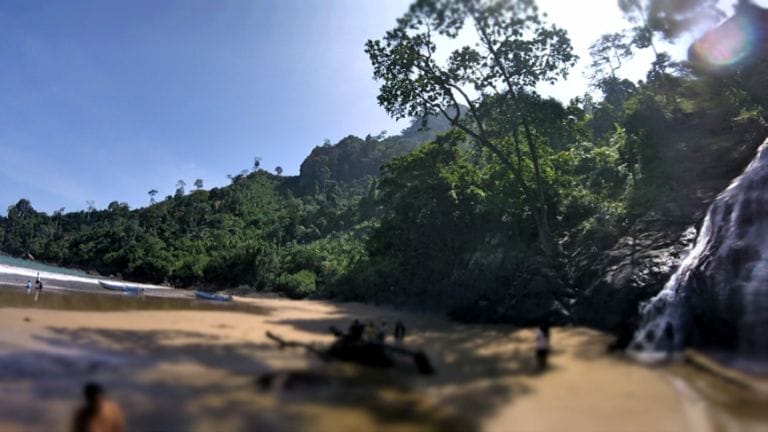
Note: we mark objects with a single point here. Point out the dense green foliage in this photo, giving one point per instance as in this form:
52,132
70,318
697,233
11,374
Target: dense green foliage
264,231
481,220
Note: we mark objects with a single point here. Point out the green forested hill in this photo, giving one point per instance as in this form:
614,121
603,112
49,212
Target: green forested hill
512,214
253,232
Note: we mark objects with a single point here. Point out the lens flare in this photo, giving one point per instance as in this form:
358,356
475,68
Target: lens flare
733,43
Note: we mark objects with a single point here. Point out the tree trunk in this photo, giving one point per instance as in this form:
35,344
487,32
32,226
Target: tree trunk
545,234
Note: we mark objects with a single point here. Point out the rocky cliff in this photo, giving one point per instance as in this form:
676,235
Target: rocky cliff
612,284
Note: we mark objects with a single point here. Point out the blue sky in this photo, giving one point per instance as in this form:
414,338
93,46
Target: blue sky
104,100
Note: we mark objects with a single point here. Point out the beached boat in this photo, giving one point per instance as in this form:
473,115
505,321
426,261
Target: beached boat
202,295
121,287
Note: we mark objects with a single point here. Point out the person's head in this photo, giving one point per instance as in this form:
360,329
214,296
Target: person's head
92,392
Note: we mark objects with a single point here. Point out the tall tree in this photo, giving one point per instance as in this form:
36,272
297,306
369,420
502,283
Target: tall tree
279,170
91,208
256,163
199,184
516,50
608,55
152,193
180,187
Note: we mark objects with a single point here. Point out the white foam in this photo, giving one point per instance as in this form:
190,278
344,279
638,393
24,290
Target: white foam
51,276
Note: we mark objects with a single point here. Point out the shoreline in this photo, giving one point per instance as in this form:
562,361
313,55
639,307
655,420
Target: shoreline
15,275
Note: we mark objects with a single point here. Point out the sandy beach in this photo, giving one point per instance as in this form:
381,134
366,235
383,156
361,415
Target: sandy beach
194,370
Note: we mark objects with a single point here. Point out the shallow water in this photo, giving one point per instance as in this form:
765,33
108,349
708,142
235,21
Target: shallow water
89,299
720,405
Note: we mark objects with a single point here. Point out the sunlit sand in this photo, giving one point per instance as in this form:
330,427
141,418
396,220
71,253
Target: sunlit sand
195,370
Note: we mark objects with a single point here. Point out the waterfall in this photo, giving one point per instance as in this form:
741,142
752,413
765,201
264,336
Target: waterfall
718,297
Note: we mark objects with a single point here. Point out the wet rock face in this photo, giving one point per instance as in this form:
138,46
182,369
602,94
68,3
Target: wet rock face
718,297
612,278
630,273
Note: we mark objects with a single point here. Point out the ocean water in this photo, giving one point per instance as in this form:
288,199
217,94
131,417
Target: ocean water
34,265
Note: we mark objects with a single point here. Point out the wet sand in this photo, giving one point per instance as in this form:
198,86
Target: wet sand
194,369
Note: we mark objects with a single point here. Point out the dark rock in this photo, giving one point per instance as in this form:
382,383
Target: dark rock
631,272
718,299
613,276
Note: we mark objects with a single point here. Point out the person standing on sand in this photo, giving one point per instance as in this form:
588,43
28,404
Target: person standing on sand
371,332
356,330
381,337
38,287
399,331
669,338
542,347
99,414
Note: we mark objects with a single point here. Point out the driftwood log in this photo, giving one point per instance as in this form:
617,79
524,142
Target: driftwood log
367,353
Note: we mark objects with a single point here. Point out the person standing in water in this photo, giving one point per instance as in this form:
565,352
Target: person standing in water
98,414
542,347
29,286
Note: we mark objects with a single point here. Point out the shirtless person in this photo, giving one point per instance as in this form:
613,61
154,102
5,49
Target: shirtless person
99,414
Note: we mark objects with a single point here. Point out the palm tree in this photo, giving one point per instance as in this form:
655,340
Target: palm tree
256,163
279,170
152,193
199,184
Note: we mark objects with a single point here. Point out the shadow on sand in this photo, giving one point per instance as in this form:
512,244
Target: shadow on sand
183,380
479,368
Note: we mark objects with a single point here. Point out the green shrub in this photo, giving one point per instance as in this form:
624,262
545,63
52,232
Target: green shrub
297,285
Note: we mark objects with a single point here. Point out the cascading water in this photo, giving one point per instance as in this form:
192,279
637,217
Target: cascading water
718,298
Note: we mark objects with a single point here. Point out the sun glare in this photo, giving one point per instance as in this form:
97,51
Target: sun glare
731,45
